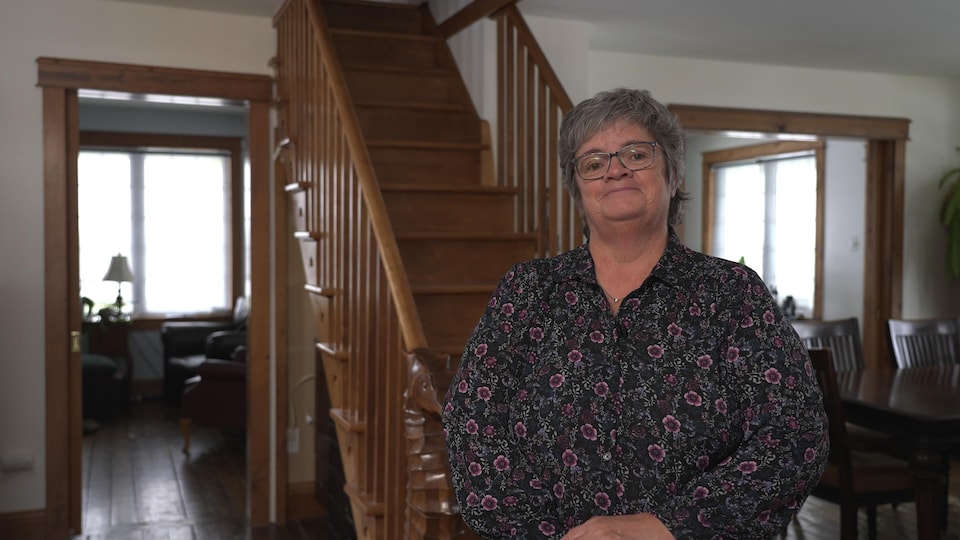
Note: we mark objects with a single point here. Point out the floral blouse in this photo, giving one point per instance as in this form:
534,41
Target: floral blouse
696,402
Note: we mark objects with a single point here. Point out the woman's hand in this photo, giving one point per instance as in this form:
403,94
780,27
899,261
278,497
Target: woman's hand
630,527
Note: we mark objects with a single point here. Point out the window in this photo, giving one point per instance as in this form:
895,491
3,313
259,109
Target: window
174,209
763,208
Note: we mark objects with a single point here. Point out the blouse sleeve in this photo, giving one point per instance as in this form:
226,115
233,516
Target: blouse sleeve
494,473
757,490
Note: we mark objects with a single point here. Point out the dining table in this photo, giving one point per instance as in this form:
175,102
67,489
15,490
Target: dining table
920,406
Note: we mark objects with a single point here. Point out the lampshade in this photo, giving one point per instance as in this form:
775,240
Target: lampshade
119,270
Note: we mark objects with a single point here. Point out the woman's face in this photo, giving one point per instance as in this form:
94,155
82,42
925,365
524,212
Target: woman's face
623,195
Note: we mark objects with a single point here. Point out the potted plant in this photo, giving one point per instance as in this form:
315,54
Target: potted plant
950,218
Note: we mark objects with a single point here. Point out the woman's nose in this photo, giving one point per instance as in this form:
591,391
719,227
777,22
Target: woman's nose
616,170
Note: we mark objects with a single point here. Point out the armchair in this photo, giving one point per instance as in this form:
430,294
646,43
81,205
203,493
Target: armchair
186,345
216,396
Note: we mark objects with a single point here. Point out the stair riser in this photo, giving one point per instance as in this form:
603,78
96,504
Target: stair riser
373,18
451,212
403,87
414,166
386,52
449,319
382,123
442,262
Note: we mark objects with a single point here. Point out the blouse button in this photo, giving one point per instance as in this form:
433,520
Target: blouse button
606,456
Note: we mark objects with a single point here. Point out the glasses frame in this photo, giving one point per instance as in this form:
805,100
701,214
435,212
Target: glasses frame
610,155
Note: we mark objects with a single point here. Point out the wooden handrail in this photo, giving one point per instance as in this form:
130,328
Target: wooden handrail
410,325
470,14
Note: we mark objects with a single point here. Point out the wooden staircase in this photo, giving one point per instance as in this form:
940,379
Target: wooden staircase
381,149
455,234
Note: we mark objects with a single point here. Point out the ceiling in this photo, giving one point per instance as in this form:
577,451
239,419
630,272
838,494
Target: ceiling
921,37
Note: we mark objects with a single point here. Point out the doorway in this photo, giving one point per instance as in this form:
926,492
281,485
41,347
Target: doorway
883,242
60,81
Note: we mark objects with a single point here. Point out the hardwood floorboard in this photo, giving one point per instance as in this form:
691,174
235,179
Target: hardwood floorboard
138,485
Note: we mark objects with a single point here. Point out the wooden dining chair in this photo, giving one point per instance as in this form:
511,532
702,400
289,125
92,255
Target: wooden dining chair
924,342
854,478
841,336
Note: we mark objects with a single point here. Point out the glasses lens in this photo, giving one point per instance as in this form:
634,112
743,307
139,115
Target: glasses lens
636,156
592,166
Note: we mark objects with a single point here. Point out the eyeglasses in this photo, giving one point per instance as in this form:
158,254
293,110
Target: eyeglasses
636,157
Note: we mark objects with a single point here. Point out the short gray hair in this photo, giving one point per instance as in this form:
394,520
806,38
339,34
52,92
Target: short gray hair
603,110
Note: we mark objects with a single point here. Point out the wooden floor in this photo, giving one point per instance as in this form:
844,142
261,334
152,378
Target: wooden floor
139,486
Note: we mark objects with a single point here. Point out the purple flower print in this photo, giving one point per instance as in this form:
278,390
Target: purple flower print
535,484
733,354
671,424
574,356
721,406
520,430
501,463
705,361
602,500
489,503
655,351
556,381
656,453
772,376
462,387
547,529
703,462
472,426
700,492
693,398
620,488
747,467
588,432
509,500
747,322
569,458
489,431
484,393
571,298
674,330
695,310
809,455
475,468
472,499
768,317
536,334
507,309
490,361
558,490
596,336
600,389
480,350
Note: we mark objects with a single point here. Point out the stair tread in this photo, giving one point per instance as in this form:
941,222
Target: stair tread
424,145
453,288
464,236
415,105
400,70
373,34
434,188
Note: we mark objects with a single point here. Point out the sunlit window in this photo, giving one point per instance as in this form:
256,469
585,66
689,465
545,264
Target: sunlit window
764,212
169,213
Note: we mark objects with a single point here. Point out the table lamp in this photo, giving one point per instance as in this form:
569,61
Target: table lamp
119,271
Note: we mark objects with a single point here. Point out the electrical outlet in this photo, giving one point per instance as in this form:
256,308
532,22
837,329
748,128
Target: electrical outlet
293,440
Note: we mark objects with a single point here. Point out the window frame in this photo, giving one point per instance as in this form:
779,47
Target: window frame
710,160
234,147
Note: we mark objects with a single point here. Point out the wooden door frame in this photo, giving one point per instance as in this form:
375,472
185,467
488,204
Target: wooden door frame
60,80
883,232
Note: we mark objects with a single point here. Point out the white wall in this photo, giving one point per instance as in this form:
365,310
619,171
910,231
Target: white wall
87,30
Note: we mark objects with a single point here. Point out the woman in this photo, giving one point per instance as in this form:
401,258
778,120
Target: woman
631,387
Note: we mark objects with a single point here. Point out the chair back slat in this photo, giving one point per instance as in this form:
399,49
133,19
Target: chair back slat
841,336
924,342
